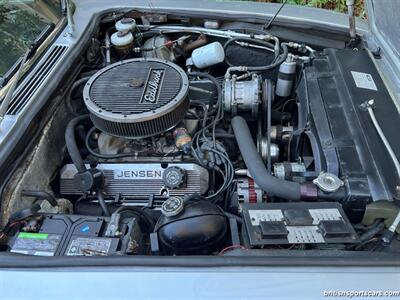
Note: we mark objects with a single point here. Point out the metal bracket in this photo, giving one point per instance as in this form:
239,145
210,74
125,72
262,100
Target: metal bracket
367,104
352,19
70,19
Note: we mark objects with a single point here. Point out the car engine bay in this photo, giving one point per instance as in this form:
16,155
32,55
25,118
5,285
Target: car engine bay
206,139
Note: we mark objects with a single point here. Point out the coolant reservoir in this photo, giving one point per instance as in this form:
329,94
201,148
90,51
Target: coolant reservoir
208,55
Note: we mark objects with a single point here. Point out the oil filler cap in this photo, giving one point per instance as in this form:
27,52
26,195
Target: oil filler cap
173,177
172,206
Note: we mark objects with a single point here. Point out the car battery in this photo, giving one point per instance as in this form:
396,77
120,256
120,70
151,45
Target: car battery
76,235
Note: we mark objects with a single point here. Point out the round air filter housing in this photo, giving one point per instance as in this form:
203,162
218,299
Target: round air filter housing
137,98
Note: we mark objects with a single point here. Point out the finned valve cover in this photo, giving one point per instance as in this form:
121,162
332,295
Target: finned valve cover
137,98
139,180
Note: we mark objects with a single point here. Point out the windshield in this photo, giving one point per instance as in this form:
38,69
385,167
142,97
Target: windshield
21,21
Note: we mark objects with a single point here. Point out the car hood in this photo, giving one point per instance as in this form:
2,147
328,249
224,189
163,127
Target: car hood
383,20
383,23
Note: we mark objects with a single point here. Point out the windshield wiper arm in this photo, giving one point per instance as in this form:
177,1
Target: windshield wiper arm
27,55
10,73
33,47
41,38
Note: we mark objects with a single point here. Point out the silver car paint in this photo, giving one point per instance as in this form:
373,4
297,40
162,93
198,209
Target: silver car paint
197,283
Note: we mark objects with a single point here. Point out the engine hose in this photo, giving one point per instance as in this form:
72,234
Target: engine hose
248,40
372,231
74,86
102,203
273,186
138,211
278,59
41,195
70,142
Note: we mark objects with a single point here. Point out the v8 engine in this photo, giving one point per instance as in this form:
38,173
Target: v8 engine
194,140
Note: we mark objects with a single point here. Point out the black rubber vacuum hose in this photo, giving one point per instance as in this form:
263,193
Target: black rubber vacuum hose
74,86
41,195
70,142
279,59
102,203
273,186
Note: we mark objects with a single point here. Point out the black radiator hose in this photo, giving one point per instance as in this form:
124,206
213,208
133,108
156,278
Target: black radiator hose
70,142
273,186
